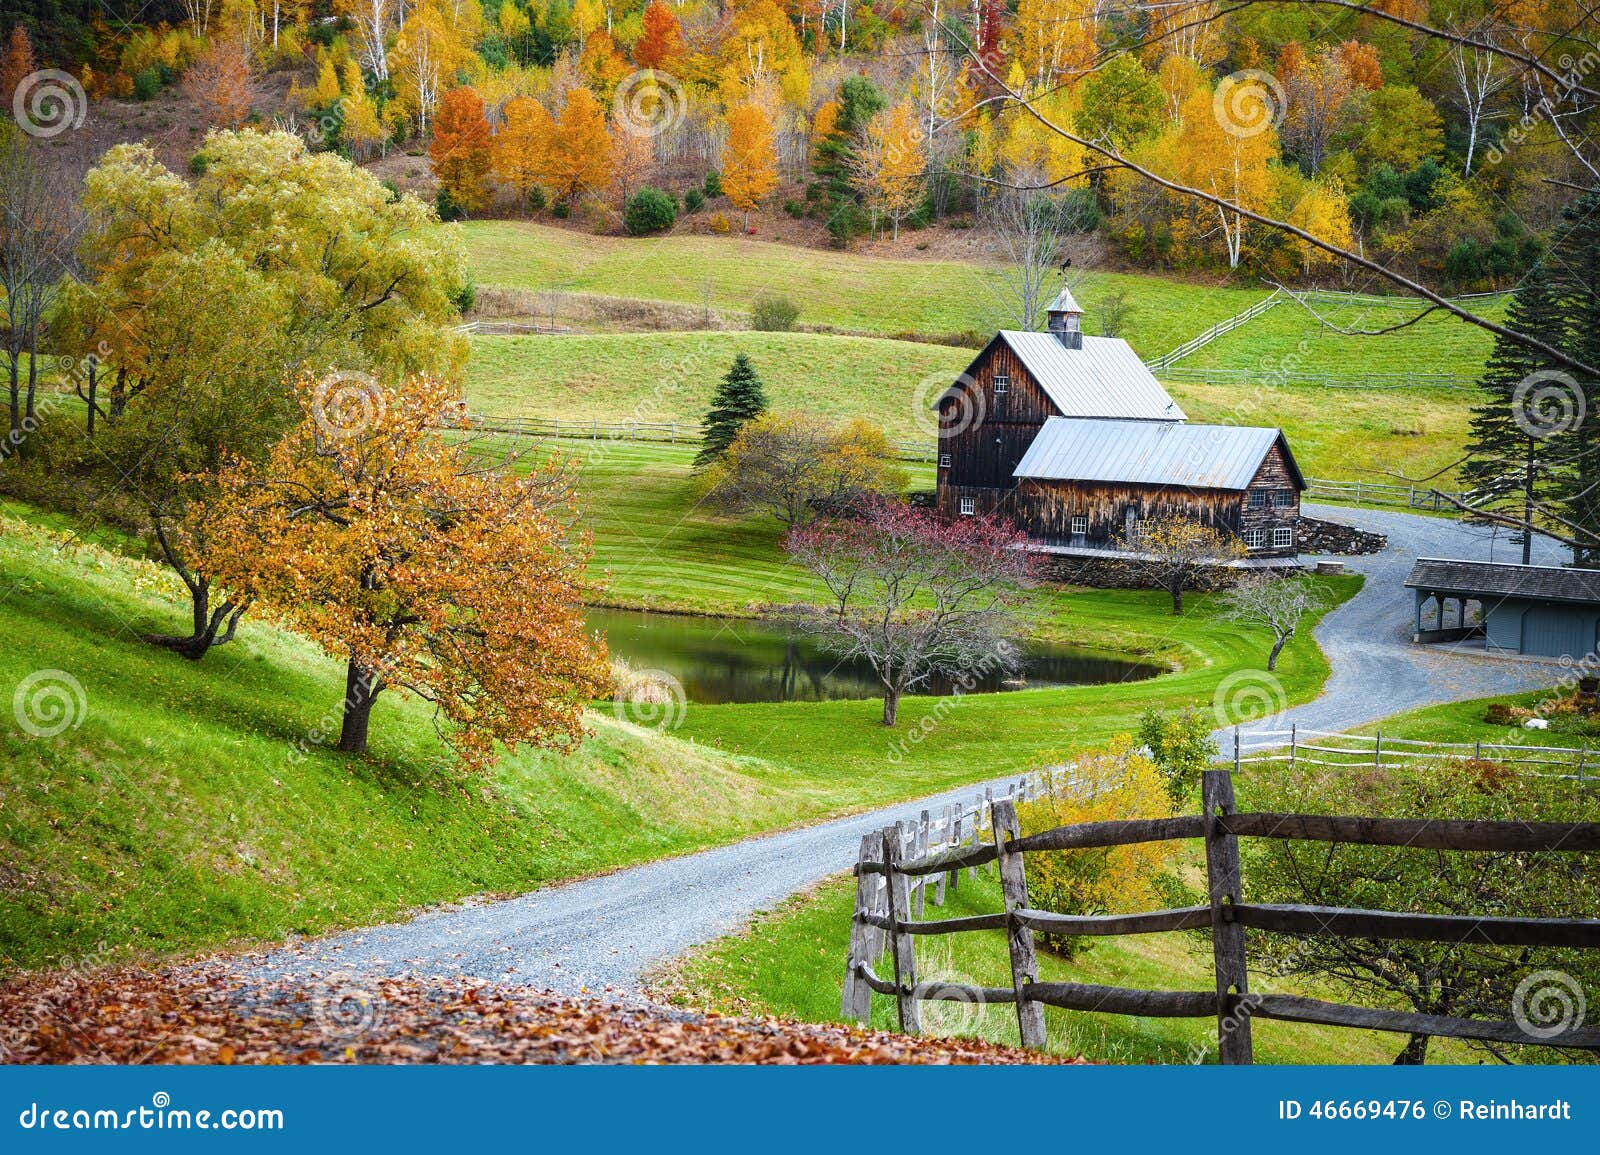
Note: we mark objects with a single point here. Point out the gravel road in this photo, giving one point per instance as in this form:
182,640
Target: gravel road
603,933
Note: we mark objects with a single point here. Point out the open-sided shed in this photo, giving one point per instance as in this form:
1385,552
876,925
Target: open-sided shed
1548,611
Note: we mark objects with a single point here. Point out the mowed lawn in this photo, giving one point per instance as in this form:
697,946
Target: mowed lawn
869,294
670,377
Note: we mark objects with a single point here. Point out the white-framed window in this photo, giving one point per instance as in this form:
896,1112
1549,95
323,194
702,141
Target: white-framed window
1002,382
1080,524
1260,498
969,506
1255,538
944,461
1282,537
1283,498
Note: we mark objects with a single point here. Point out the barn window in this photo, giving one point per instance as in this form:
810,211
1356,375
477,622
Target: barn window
1260,498
1255,538
1283,498
1002,382
944,461
1080,525
1282,537
969,506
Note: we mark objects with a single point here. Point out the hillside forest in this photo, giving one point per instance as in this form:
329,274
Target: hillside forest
1436,139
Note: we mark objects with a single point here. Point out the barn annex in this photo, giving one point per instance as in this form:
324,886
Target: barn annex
1549,611
1071,437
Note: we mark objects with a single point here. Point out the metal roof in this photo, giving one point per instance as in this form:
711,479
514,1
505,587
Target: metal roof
1149,453
1502,579
1064,302
1105,378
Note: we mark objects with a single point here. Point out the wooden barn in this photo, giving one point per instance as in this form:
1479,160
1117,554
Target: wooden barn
1074,440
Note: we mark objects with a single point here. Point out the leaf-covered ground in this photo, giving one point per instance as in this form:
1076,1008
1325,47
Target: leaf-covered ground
209,1014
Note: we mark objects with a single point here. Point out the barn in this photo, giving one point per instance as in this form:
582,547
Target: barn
1548,611
1071,438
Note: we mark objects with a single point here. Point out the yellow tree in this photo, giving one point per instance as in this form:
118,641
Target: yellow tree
750,159
393,549
517,151
427,53
1228,156
362,130
633,155
1055,39
889,163
577,158
1321,209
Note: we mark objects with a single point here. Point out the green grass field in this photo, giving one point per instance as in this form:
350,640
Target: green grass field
1291,339
666,377
845,290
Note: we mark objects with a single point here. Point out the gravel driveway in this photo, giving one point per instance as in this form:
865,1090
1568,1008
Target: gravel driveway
603,933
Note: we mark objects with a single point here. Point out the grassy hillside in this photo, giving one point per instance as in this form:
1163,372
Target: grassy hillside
1323,339
845,290
189,805
670,376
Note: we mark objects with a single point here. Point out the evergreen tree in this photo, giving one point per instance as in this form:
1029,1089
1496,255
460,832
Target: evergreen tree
1514,455
1574,268
738,398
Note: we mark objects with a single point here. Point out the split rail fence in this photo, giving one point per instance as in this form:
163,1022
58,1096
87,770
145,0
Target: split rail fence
1300,747
890,869
1379,493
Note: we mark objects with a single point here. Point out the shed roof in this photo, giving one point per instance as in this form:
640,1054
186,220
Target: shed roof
1503,579
1105,378
1151,453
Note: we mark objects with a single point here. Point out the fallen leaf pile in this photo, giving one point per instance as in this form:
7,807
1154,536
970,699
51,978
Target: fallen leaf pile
212,1014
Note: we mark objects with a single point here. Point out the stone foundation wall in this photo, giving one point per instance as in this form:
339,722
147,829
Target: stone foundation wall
1116,573
1313,535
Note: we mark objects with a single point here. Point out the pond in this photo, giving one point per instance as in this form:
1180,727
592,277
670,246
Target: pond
739,660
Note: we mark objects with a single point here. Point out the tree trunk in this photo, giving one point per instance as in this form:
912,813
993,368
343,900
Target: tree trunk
1277,648
891,706
1414,1053
361,689
1175,588
209,627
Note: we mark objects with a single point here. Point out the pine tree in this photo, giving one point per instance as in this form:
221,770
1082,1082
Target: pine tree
738,398
1510,467
1574,264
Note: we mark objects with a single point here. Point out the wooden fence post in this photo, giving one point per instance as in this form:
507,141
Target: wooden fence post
900,944
1014,891
856,1003
944,839
977,826
1227,936
988,810
1294,740
919,850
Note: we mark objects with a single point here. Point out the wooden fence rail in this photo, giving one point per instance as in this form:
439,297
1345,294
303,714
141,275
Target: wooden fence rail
898,861
1301,747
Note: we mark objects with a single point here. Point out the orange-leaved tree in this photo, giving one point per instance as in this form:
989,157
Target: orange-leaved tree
750,164
578,157
393,548
662,40
517,150
459,152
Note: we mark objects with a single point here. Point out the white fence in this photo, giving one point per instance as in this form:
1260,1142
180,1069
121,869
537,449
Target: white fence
1301,747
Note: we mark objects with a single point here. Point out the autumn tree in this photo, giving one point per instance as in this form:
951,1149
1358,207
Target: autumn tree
517,149
577,157
199,297
750,159
795,466
914,596
1173,552
360,128
1319,94
633,156
219,80
1228,155
661,41
889,165
459,152
1321,209
395,551
16,64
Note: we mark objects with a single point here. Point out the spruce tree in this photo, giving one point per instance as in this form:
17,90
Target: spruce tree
738,398
1574,267
1514,453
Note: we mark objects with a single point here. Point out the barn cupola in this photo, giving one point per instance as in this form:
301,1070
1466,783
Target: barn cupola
1063,318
